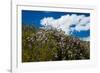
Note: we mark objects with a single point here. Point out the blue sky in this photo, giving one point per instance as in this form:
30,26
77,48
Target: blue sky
39,18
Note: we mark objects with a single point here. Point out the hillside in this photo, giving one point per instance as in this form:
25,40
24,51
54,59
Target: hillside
51,45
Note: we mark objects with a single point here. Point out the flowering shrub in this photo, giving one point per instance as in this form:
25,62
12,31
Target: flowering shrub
51,45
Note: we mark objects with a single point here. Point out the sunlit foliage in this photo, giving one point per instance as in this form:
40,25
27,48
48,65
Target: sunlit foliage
51,45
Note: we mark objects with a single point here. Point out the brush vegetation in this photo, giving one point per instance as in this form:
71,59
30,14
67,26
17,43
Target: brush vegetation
51,45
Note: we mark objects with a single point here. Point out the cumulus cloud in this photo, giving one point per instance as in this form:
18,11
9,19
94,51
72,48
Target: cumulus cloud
80,22
85,39
82,28
83,25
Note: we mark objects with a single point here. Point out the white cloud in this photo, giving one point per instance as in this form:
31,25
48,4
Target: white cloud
83,25
82,28
81,22
85,39
85,20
